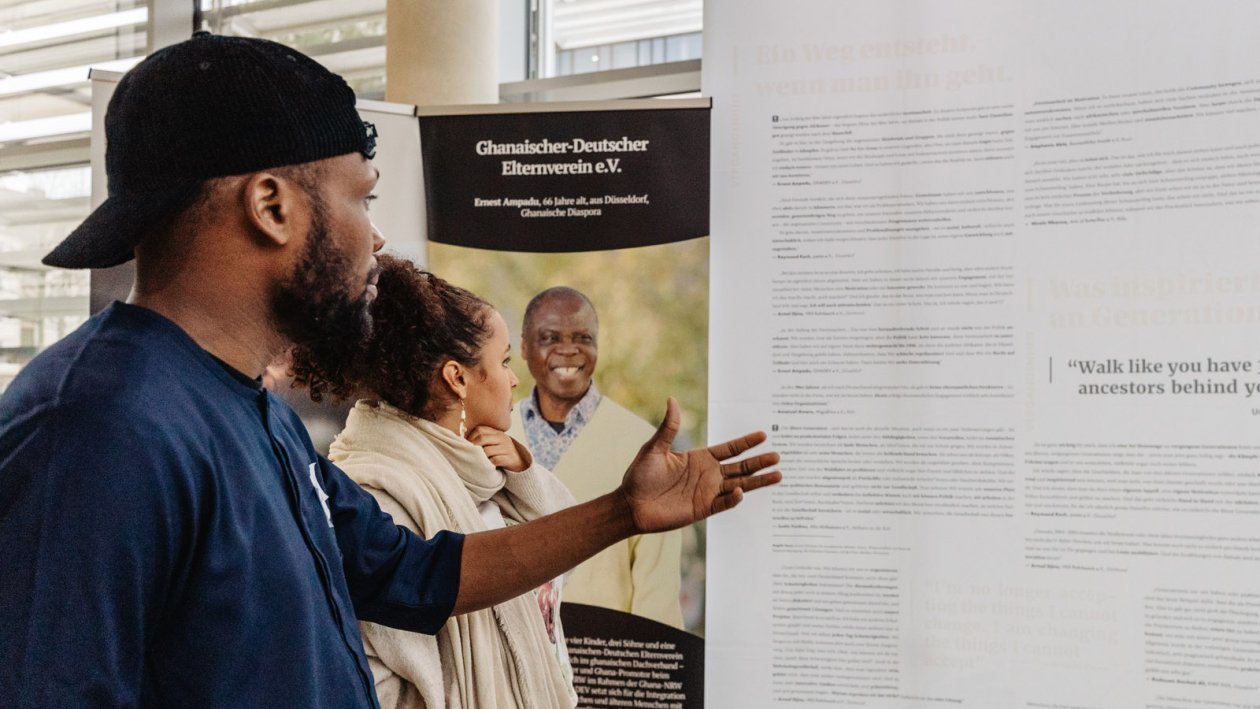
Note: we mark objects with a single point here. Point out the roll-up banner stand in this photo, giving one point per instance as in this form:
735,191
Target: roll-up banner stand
610,199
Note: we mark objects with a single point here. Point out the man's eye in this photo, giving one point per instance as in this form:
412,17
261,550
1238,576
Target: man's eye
368,200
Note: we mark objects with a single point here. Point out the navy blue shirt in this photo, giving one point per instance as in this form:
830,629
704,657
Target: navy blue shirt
169,537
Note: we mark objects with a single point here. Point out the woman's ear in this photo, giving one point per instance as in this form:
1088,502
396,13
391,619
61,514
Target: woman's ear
456,377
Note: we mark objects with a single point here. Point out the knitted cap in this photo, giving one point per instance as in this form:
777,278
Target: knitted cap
207,107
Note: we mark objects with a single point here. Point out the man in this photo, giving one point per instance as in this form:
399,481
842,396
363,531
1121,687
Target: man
587,440
170,536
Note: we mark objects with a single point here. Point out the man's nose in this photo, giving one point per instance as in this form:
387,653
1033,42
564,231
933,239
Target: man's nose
378,239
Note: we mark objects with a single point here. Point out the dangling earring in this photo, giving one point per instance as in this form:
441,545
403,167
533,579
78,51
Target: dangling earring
463,416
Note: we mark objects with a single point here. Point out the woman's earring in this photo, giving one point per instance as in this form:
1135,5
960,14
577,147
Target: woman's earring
463,416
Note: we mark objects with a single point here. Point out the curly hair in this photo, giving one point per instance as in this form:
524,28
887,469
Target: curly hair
419,322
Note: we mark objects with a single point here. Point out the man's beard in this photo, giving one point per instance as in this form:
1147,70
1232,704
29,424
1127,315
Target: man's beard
315,307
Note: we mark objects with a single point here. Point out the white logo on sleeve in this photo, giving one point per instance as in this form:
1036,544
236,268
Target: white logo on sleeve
323,496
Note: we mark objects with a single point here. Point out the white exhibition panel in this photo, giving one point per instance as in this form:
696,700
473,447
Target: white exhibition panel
987,273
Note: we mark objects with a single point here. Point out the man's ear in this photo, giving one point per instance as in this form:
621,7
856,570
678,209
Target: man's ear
456,377
272,206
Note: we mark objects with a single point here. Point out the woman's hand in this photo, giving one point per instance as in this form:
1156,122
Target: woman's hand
502,450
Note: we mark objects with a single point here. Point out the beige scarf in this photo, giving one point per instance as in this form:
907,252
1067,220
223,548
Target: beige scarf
430,479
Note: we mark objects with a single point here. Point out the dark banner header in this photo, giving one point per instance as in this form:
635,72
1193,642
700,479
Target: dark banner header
567,181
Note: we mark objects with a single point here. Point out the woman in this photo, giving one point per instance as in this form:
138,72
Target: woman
428,442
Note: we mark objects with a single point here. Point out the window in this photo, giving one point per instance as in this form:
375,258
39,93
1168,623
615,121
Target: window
582,36
346,37
46,49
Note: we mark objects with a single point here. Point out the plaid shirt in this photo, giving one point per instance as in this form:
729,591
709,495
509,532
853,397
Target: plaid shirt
543,441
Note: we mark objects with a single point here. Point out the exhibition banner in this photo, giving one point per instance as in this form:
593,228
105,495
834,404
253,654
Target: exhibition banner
564,181
587,228
987,273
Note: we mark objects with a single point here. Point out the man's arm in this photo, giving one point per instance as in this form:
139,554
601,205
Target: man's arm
662,490
396,577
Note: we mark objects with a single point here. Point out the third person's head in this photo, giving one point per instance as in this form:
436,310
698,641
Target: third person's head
560,343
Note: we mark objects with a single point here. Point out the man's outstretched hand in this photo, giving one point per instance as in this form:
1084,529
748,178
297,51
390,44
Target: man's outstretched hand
668,489
662,490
